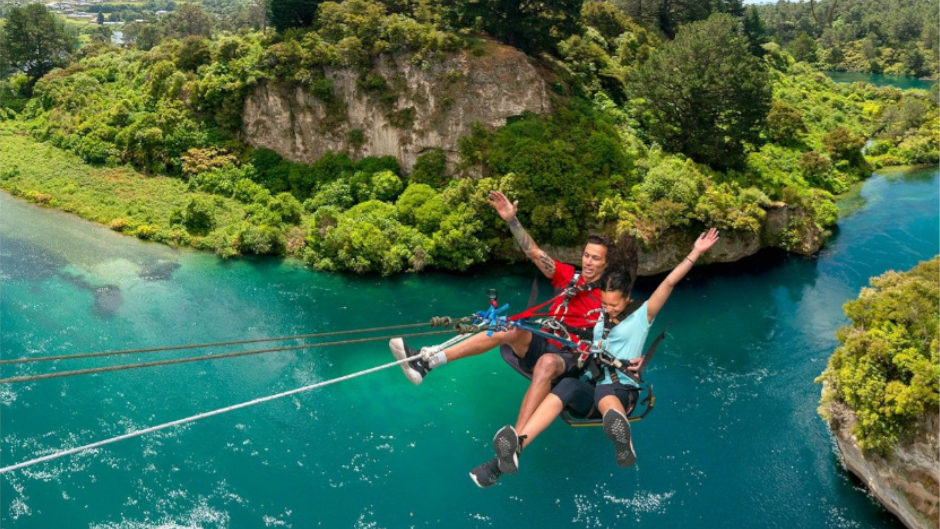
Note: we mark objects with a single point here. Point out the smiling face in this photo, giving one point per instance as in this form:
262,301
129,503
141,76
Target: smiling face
593,261
614,302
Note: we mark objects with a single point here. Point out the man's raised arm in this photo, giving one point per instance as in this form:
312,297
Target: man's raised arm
507,211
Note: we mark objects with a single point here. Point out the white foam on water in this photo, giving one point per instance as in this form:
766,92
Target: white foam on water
481,518
837,518
592,510
18,508
363,521
271,521
7,395
200,516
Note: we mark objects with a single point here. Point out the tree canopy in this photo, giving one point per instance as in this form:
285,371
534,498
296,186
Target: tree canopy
887,368
35,41
704,94
527,24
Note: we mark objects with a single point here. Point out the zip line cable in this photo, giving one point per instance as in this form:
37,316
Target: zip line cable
212,344
219,411
58,374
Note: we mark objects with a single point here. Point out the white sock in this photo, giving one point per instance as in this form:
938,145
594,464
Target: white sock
438,359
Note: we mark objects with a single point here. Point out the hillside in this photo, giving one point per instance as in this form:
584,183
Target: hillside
368,139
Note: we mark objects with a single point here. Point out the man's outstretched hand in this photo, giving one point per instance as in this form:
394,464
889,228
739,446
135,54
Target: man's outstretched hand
504,208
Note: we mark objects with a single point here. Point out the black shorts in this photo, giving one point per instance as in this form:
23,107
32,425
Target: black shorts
576,394
627,395
539,347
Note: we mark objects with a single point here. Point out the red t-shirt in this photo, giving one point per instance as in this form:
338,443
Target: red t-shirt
581,304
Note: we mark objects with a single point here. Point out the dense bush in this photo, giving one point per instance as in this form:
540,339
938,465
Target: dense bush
863,35
887,367
600,160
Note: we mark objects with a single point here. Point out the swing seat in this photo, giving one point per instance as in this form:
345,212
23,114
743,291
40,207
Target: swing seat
645,400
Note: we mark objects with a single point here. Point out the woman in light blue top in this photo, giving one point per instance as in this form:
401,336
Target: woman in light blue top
623,336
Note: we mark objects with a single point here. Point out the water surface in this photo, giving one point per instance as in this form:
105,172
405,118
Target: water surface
878,79
734,440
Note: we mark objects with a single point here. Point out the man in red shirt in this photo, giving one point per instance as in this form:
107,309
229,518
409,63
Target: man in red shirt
543,357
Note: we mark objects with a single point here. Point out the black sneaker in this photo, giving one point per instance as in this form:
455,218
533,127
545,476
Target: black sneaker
487,474
507,446
617,427
416,369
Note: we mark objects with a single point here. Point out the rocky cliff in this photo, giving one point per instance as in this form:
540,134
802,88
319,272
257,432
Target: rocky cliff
907,482
664,253
406,111
402,110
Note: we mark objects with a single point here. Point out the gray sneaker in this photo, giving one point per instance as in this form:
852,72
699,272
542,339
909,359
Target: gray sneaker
507,447
487,474
617,427
416,369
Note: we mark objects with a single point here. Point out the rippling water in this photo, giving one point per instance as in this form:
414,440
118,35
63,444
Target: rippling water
734,439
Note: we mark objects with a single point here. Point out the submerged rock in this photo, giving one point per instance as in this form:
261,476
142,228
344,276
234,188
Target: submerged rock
158,271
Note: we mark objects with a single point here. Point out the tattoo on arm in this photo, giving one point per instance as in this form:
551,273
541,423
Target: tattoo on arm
522,237
541,259
546,264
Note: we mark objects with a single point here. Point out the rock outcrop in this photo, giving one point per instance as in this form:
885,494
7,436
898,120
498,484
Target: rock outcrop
664,253
907,482
416,109
412,109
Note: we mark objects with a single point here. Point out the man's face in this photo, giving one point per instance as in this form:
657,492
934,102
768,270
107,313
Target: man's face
593,261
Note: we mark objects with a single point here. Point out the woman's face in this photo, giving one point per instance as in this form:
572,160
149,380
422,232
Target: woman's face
613,301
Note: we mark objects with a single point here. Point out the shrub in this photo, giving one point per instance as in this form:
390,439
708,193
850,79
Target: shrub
887,367
198,215
430,168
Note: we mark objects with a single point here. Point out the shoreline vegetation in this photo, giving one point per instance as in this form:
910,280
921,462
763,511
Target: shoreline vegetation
148,138
880,393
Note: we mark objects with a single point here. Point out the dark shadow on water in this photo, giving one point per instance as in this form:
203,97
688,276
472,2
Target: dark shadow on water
20,260
108,298
158,271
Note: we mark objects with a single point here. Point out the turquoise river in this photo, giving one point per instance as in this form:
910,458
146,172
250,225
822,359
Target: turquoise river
734,440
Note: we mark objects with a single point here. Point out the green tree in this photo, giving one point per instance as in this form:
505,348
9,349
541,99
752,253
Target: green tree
194,53
35,40
198,215
143,35
704,94
887,366
803,48
785,122
531,25
286,14
430,168
668,15
843,144
756,32
100,34
188,19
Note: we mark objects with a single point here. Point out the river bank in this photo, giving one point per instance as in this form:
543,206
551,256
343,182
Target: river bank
137,205
735,414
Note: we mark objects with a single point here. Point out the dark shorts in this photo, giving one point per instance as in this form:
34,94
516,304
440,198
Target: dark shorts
539,347
576,394
627,395
581,396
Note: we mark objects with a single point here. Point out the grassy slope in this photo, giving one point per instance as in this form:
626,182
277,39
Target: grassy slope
47,175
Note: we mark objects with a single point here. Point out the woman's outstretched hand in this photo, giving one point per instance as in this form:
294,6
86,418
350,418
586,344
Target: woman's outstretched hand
705,241
502,205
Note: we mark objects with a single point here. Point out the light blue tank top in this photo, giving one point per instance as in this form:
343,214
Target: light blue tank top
625,340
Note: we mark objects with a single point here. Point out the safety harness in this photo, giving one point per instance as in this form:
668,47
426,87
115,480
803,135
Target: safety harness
561,311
